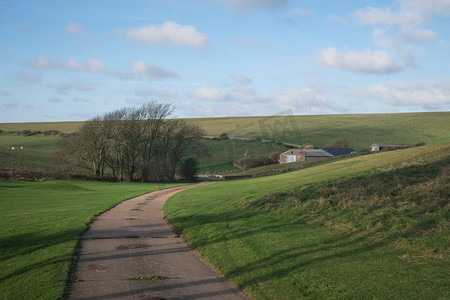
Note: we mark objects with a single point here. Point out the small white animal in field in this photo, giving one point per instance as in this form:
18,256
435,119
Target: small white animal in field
13,148
21,147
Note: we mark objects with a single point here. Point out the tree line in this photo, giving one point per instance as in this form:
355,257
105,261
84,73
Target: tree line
134,144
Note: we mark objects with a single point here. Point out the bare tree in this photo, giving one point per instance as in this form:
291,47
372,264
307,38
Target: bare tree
132,142
177,141
93,144
154,117
68,158
115,154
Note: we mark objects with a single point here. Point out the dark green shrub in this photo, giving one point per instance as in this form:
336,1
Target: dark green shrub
223,136
189,168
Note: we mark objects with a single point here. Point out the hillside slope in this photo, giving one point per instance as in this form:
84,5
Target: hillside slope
360,130
374,226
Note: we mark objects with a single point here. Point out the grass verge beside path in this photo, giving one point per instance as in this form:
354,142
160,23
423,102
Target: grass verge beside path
40,225
264,243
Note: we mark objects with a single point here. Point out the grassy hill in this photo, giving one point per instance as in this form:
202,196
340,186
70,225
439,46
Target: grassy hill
66,127
40,225
374,226
36,154
360,130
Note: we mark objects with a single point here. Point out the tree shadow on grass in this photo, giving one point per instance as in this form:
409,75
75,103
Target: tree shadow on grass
25,243
281,260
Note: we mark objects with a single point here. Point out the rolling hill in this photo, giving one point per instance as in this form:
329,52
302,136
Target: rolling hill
360,130
374,226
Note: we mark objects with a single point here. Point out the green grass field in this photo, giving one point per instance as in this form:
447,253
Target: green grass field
218,168
66,127
360,130
227,151
40,224
373,226
36,154
274,242
271,169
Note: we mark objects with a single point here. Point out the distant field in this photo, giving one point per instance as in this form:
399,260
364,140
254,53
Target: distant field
302,235
36,155
360,130
66,127
40,224
38,152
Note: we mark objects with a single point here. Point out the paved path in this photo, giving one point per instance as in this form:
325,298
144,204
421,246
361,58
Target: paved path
133,239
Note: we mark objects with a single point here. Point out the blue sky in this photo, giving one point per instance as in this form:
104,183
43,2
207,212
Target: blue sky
73,60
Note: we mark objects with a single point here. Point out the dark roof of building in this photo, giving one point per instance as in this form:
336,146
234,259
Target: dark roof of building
339,151
314,153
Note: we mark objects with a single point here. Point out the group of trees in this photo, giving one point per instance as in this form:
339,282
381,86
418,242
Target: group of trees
134,143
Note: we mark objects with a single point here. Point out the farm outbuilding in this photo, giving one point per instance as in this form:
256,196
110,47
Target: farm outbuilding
389,147
296,155
340,151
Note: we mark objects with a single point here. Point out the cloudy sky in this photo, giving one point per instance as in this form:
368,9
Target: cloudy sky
73,60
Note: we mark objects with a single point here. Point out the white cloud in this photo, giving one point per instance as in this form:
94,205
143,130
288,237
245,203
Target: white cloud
92,65
169,33
408,22
423,93
433,6
382,39
138,69
96,65
40,63
74,29
240,79
205,93
415,34
72,64
244,94
377,16
336,18
242,100
366,61
305,100
248,5
152,72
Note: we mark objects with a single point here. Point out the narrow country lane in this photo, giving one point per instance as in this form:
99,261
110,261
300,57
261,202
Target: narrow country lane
133,239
